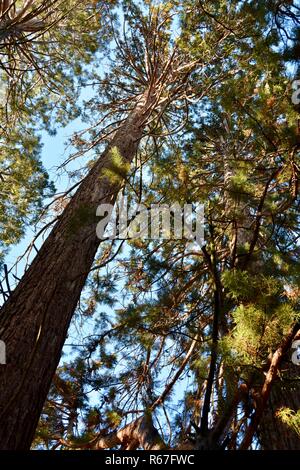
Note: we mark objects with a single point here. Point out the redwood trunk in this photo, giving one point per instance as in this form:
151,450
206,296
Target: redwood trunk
35,320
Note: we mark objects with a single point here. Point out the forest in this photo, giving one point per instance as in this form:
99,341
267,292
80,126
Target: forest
121,331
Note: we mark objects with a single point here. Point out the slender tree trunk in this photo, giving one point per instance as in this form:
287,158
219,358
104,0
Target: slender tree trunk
35,320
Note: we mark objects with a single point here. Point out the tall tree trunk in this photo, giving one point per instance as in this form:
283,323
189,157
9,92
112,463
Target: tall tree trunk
274,434
35,320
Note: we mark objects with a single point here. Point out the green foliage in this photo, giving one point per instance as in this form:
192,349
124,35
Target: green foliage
24,183
42,72
114,418
83,216
256,333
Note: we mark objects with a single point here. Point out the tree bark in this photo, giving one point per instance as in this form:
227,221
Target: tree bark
35,319
263,417
138,434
